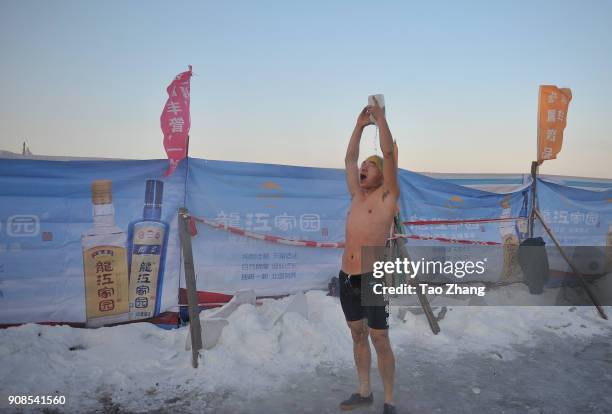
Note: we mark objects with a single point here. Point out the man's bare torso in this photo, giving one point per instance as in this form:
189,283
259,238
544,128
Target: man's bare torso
368,223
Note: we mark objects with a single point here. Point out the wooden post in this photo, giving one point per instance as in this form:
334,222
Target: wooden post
580,277
433,322
190,282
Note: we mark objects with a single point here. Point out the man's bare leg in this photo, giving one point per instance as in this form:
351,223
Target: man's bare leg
361,352
386,361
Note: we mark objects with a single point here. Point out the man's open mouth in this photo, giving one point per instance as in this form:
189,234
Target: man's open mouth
362,177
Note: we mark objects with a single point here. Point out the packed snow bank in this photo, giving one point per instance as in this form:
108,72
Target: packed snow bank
140,363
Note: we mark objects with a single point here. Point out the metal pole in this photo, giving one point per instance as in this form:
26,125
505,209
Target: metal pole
534,180
190,282
580,276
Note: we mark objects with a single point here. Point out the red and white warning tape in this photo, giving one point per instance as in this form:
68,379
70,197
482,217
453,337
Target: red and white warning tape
449,240
270,238
470,221
340,245
444,239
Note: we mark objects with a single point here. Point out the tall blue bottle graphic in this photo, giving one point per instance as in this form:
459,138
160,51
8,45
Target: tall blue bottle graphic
148,239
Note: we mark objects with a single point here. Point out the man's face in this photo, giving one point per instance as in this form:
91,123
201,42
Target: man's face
370,176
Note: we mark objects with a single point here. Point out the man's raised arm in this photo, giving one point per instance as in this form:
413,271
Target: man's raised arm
352,153
388,149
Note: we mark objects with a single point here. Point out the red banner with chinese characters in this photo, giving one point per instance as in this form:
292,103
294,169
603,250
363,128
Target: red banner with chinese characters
176,120
552,118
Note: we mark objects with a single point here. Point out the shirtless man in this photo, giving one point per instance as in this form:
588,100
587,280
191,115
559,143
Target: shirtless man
374,193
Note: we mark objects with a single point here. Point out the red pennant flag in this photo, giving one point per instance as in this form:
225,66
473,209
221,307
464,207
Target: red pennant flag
176,120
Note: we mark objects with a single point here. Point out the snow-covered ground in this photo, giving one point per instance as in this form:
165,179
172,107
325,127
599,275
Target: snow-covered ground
141,368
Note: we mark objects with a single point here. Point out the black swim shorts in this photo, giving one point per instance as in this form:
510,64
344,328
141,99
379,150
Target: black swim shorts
350,299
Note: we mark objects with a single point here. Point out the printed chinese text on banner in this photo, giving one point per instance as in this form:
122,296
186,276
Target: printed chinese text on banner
552,118
175,119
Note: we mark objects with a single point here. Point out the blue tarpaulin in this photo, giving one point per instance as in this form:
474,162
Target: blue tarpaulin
263,209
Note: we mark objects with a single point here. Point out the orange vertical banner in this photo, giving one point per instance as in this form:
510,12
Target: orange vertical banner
552,118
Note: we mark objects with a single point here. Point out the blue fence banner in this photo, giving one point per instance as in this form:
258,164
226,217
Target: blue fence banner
259,201
46,222
581,220
96,242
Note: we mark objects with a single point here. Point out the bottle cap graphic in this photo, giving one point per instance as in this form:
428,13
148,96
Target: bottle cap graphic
153,193
102,192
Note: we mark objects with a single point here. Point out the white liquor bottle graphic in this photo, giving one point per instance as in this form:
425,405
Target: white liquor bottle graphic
105,261
148,240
